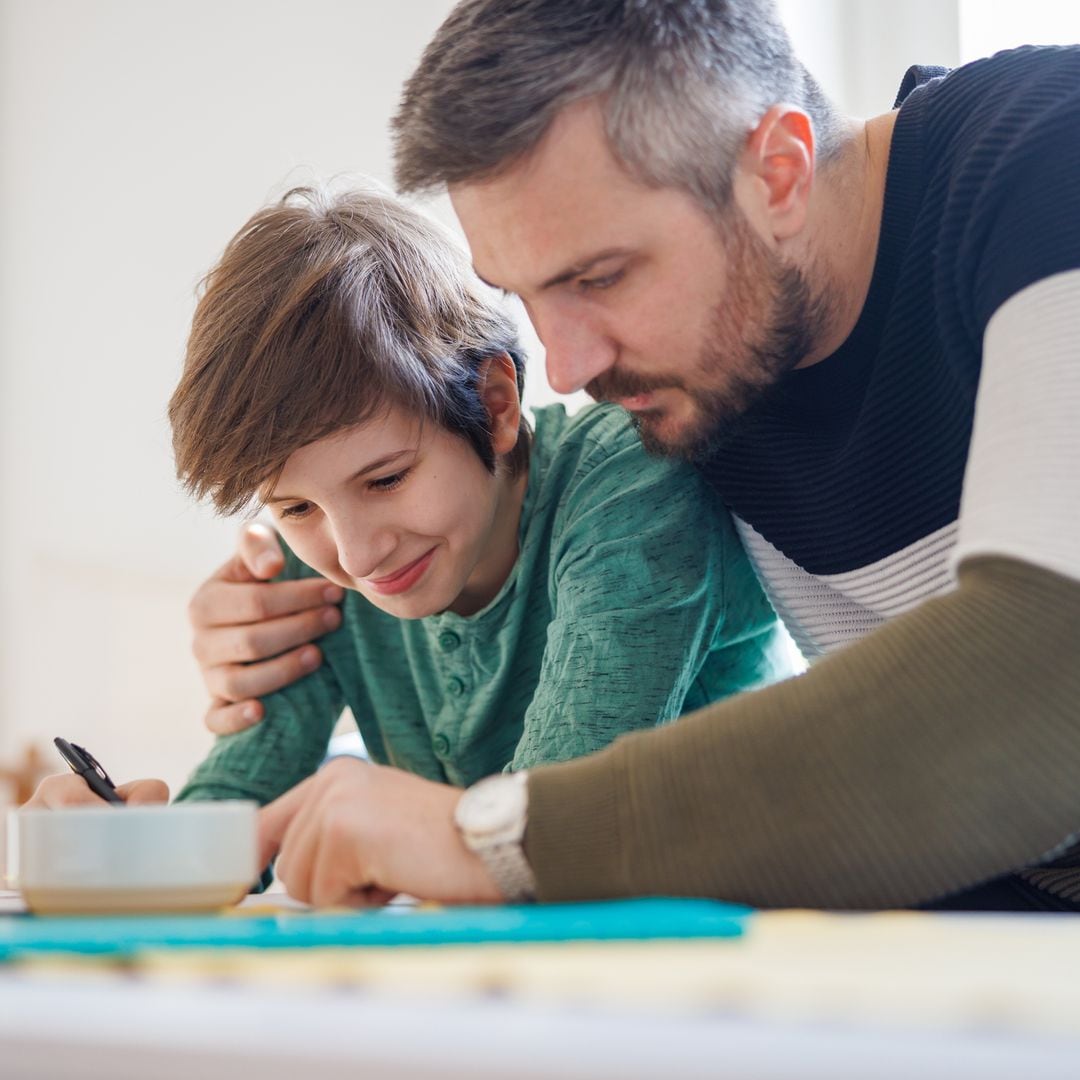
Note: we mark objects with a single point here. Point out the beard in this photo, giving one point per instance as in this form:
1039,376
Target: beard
761,330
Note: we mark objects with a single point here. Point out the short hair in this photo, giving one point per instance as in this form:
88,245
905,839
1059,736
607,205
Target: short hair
681,84
324,310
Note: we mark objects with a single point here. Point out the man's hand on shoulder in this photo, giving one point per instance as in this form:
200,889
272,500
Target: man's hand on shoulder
253,636
358,834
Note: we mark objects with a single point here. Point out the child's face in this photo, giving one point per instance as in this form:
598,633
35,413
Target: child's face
403,512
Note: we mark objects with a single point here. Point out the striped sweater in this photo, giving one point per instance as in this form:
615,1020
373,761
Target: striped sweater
859,489
847,487
912,505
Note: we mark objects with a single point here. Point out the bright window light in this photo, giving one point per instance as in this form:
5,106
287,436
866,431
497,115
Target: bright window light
987,26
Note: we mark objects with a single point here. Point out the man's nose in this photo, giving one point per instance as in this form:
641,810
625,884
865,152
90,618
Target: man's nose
576,354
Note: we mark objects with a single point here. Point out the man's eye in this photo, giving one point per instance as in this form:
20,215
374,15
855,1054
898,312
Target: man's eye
389,483
595,283
296,511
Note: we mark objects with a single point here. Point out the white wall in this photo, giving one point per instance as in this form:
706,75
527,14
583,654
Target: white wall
135,137
989,25
859,49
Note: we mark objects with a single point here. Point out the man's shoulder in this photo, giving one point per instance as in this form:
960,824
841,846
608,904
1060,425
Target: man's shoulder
1001,94
1011,210
1026,65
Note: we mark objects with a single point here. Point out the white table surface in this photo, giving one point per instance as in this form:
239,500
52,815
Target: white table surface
101,1030
90,1023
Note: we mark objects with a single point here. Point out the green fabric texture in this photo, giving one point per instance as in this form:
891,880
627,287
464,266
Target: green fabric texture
626,607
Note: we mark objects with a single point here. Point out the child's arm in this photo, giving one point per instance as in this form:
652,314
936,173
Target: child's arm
657,609
268,759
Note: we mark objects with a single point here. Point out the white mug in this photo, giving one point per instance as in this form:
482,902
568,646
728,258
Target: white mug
188,856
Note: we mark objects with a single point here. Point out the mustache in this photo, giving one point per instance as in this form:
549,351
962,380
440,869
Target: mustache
613,385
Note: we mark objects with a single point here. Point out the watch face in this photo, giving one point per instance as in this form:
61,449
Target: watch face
485,806
493,806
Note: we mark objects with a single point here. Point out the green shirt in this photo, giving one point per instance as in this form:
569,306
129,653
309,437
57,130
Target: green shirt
631,602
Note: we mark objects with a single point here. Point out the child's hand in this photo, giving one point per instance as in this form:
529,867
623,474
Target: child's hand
251,636
67,789
358,834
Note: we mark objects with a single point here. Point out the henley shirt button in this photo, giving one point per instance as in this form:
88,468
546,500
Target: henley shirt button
448,641
456,687
441,744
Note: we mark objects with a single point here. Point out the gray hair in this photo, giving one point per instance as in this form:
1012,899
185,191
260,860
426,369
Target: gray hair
682,83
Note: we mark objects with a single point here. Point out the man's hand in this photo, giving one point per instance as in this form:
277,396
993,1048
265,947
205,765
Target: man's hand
67,789
358,834
253,637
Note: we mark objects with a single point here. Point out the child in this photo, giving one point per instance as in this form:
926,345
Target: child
514,597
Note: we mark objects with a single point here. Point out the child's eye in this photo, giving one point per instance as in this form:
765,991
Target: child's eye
389,483
296,511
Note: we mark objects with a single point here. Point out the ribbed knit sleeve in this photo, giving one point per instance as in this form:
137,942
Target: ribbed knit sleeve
941,751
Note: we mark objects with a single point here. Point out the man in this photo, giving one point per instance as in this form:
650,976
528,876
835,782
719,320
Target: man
864,334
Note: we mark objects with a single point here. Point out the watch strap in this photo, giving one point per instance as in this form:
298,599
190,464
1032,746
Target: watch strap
509,868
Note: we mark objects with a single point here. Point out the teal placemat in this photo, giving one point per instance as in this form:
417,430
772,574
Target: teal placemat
619,920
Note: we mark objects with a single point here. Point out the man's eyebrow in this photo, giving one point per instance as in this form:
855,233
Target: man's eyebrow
370,467
582,266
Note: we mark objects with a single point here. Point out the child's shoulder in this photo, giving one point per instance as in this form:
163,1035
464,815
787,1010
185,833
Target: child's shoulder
597,455
592,435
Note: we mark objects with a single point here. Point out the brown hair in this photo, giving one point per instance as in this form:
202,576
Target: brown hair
324,310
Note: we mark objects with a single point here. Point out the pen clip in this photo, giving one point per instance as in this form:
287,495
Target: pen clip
93,763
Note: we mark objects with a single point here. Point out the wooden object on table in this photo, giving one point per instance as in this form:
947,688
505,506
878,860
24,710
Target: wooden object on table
23,777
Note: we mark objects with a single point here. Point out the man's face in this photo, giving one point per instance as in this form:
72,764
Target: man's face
639,295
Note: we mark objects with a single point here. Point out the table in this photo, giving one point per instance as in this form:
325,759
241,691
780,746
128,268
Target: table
897,995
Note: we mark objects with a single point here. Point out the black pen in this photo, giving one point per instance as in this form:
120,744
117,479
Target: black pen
84,764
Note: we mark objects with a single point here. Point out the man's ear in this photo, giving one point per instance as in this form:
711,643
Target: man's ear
499,393
776,172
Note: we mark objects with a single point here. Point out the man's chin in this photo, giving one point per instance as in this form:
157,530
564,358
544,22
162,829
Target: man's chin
662,436
692,429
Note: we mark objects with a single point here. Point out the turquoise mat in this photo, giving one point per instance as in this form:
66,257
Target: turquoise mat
619,920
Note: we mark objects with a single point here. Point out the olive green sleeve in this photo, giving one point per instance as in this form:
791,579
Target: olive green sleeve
940,751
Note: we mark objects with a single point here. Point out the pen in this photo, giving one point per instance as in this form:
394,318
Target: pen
84,764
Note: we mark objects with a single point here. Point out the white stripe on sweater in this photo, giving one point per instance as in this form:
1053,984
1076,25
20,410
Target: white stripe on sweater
1022,485
825,612
1021,494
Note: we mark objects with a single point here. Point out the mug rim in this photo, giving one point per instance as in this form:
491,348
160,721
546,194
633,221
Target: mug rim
216,805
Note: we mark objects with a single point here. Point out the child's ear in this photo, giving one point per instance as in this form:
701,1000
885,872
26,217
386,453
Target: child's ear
499,393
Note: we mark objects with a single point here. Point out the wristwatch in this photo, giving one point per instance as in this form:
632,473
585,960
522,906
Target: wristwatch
491,816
